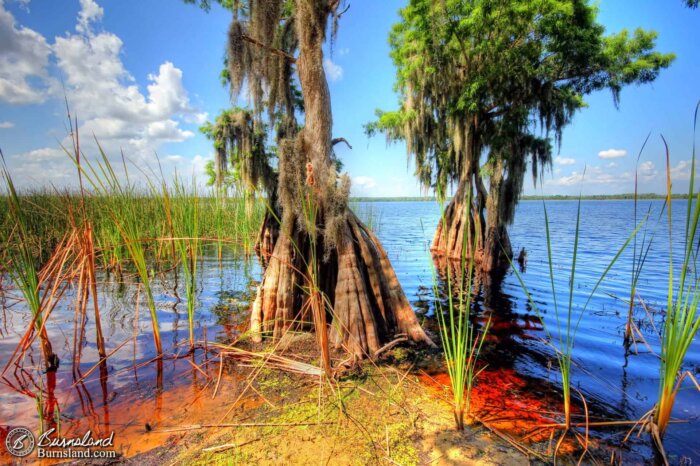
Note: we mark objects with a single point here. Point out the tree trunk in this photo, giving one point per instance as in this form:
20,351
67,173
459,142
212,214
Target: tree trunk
461,217
368,306
497,248
267,237
464,215
336,255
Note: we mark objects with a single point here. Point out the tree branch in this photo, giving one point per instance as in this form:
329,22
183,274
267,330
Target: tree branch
274,50
335,141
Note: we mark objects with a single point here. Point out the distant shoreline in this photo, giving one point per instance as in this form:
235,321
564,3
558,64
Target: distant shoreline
556,197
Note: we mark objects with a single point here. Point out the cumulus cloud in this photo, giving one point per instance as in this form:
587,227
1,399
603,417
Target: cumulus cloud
333,70
647,171
559,160
592,176
24,58
682,170
612,153
41,155
89,11
107,99
6,124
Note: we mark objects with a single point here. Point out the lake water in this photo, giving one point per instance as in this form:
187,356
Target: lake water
623,384
617,383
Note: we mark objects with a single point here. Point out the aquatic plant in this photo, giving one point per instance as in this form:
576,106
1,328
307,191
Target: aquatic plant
22,265
682,320
185,215
639,256
123,210
568,318
461,342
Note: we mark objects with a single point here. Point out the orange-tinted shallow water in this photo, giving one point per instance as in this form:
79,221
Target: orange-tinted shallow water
519,389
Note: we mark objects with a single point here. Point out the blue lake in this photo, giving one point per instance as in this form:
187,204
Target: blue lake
618,383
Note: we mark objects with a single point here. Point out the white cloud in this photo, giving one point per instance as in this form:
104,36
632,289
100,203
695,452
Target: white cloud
612,165
6,124
612,153
24,57
343,51
592,176
41,155
647,171
364,182
333,70
682,170
89,11
167,130
108,102
559,160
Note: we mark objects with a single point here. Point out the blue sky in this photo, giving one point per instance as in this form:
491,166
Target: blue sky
143,75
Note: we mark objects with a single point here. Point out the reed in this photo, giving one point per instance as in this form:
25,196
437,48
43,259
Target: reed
567,318
369,215
22,266
639,256
124,210
185,216
682,320
461,341
317,300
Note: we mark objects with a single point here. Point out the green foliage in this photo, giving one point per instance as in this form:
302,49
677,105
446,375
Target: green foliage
567,317
461,341
683,320
229,180
206,4
17,256
239,142
500,77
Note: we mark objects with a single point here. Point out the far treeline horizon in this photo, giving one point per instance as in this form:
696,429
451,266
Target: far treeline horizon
553,197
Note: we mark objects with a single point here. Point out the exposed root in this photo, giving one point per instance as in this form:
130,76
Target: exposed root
367,305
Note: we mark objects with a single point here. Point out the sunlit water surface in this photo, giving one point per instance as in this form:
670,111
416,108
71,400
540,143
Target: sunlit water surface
618,383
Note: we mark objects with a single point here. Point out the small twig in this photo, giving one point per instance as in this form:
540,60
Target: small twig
389,346
228,446
248,424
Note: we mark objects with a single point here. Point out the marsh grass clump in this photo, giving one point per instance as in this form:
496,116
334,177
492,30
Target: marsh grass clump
23,268
461,341
186,220
567,318
682,319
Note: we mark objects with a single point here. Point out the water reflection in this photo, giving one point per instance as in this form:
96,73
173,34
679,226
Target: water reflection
132,388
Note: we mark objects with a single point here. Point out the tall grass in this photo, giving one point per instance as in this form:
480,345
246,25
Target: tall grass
185,215
22,266
461,341
639,257
567,317
682,320
124,212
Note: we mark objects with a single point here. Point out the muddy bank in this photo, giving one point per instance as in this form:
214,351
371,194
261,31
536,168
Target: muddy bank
383,414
